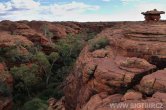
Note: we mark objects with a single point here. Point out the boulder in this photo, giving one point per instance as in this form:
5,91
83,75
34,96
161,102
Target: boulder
153,82
53,104
132,95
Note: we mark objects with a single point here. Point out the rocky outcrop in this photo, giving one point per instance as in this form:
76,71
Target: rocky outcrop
143,40
112,75
32,35
105,75
53,104
60,30
7,40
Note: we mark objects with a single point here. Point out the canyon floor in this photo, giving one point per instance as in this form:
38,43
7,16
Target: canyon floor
111,64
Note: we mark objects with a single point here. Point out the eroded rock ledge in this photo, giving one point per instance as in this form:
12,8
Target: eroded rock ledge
130,69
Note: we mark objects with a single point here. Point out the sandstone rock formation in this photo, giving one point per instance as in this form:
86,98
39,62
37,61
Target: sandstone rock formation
104,76
7,40
32,35
60,30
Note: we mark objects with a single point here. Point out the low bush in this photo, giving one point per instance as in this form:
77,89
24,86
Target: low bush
98,43
28,75
70,47
42,60
35,104
54,56
50,92
13,54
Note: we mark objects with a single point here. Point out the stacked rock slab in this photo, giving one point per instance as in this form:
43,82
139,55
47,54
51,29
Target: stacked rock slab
152,15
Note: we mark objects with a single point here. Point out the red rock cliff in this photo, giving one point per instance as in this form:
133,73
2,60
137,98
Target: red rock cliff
124,71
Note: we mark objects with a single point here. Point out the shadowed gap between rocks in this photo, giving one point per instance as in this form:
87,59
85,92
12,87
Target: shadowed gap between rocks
136,80
160,63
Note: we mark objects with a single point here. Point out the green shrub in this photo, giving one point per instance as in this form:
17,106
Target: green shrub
14,55
50,92
34,49
4,50
61,73
98,43
44,64
26,80
53,57
25,74
35,104
41,58
1,59
90,36
56,67
69,48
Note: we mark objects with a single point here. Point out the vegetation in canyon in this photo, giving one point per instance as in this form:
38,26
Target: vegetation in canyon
39,75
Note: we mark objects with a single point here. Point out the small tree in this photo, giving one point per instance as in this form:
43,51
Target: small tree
50,36
47,32
53,57
45,29
44,64
69,48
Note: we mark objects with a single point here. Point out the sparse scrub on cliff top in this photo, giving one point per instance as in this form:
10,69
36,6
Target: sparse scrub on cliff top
98,43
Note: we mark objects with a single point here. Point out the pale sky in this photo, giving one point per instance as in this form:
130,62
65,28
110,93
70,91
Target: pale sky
78,10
